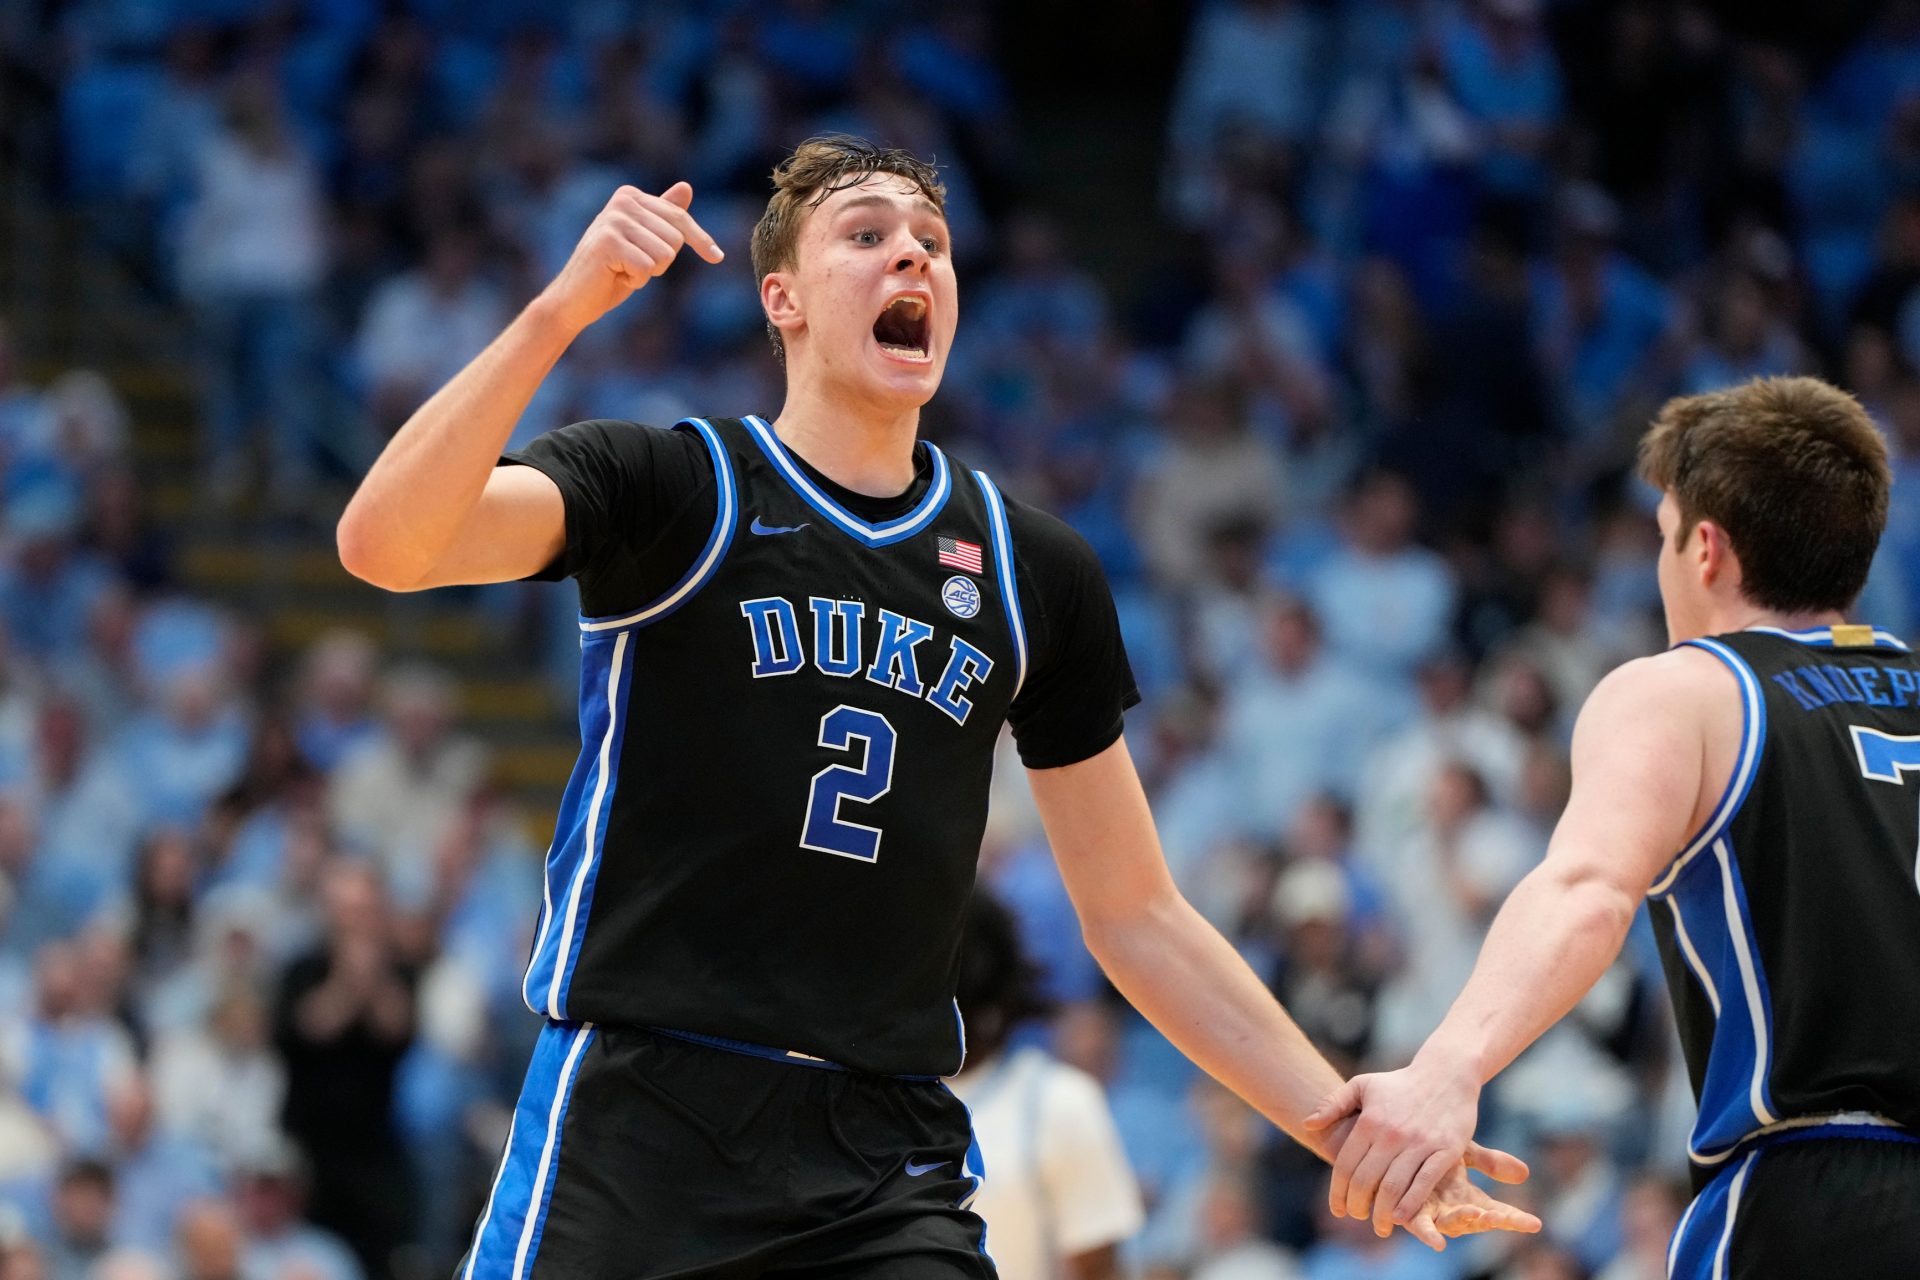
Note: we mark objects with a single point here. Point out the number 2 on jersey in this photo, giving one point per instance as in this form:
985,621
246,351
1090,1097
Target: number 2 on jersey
1889,757
825,830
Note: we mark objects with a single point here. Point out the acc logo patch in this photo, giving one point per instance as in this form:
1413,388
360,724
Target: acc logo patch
962,598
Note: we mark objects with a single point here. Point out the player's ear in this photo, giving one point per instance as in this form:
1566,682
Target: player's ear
781,303
1714,553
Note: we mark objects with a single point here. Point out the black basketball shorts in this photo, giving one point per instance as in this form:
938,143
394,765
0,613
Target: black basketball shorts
1807,1205
646,1155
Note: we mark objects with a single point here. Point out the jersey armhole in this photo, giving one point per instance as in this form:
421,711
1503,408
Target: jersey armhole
707,563
1746,762
1003,573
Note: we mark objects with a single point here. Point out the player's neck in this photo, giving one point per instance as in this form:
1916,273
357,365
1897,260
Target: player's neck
1744,617
869,452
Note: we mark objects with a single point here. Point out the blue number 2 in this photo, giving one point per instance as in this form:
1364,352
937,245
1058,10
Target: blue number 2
825,830
1888,757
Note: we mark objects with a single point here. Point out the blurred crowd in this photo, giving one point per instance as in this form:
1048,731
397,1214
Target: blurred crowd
1355,452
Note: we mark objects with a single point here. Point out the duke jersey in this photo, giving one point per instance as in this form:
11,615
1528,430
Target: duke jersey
771,833
1790,925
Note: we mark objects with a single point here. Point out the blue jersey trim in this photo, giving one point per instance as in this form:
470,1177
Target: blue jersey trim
507,1240
1003,571
707,563
1753,744
873,535
791,1057
573,860
974,1166
1700,1242
1736,1096
1822,637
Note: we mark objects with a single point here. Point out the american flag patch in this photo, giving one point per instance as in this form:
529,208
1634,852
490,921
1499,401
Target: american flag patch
960,555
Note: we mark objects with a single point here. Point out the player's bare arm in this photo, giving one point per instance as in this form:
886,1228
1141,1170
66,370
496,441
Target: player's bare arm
434,510
1191,984
1653,746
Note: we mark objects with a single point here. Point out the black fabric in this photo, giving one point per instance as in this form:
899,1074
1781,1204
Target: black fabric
641,502
678,1160
1825,858
1829,1207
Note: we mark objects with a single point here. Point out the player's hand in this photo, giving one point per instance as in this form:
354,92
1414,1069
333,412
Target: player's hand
1459,1208
1415,1127
635,238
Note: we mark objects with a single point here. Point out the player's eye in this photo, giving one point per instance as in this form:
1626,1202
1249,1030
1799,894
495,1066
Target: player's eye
866,235
930,244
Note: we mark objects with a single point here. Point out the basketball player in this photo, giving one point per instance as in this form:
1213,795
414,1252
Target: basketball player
800,639
1750,784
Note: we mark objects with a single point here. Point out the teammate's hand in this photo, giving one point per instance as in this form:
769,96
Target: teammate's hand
1459,1208
628,243
1415,1127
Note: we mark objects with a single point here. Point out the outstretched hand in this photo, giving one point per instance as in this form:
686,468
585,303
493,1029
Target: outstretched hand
1415,1131
1459,1208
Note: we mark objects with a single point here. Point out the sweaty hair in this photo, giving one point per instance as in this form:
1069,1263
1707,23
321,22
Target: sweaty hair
1795,473
817,168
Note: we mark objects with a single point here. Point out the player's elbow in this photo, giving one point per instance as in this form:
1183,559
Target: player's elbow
1116,927
368,556
1597,909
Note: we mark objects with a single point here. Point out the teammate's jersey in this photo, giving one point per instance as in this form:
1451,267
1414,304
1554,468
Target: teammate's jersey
772,830
1790,925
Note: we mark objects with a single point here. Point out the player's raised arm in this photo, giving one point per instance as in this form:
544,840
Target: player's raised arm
1190,983
1638,757
434,510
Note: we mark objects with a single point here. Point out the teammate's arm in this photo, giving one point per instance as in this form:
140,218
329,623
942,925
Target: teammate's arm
434,510
1187,979
1638,762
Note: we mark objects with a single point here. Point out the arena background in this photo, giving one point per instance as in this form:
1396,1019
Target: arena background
1331,325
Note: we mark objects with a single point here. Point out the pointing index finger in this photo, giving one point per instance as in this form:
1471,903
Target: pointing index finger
675,210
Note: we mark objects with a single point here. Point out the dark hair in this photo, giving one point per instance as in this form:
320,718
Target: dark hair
999,987
1796,474
87,1171
817,168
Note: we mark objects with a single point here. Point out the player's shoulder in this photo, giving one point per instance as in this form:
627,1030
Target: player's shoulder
1682,685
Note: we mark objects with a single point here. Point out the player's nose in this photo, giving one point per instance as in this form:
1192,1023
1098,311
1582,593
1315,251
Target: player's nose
913,256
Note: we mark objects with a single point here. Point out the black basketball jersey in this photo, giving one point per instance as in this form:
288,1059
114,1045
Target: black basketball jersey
772,830
1790,925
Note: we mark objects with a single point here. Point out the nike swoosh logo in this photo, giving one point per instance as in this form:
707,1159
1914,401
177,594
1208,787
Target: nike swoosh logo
915,1170
764,529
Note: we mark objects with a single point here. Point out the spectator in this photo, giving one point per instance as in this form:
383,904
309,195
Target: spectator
82,1219
1649,1214
1062,1196
1215,469
1253,65
1504,71
421,326
1386,602
1449,878
48,586
344,1018
207,1242
220,1084
251,256
69,1056
156,1172
272,1185
397,791
1302,724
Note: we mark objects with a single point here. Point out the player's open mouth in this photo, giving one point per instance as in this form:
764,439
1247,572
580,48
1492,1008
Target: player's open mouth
902,328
